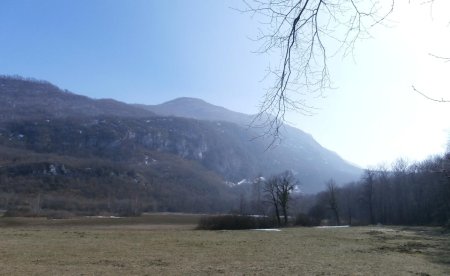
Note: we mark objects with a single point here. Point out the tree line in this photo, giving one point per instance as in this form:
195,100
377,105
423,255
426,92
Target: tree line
405,194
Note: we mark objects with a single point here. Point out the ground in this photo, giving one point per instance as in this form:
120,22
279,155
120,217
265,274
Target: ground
167,244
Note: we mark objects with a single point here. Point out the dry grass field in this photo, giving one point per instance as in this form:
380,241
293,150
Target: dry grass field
163,244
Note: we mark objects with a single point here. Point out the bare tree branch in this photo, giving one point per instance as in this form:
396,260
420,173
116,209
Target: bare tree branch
307,33
442,58
445,59
442,100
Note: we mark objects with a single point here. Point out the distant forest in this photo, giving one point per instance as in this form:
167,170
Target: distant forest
406,194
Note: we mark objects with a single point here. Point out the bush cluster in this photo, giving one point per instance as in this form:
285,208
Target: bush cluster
305,220
235,222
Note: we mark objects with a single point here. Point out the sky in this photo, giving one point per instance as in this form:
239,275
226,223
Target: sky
152,51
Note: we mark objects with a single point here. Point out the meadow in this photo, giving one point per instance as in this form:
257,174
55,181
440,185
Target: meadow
168,244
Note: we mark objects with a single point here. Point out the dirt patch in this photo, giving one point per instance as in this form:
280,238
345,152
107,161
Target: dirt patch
408,248
109,263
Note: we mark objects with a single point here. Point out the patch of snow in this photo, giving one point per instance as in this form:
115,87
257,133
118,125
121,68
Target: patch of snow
230,184
114,217
258,179
242,181
327,227
53,169
268,230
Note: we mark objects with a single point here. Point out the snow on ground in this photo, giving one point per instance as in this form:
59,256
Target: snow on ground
114,217
341,226
268,230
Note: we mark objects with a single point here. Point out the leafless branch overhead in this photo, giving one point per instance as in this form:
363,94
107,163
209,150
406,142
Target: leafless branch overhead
306,33
442,100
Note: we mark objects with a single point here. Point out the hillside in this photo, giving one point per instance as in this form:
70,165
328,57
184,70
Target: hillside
180,162
89,185
26,98
225,148
197,109
298,150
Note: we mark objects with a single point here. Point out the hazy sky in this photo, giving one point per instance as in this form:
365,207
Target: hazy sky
151,51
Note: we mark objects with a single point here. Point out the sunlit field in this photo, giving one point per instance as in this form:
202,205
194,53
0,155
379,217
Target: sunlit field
163,244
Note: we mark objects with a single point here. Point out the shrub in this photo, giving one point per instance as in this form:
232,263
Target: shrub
234,222
22,211
304,220
58,214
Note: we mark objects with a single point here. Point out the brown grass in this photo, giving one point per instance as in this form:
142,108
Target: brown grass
167,245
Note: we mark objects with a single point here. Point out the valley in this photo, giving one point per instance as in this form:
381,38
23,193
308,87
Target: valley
64,152
167,244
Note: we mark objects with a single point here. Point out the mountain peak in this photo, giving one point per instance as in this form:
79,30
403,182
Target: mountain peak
187,100
198,109
197,103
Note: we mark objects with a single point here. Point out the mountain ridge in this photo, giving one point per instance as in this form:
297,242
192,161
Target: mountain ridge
215,137
198,109
186,107
25,98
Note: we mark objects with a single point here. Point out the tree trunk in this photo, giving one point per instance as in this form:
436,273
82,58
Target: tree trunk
277,212
336,213
285,215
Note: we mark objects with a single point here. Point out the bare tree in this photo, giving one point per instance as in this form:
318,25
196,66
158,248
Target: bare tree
286,185
383,193
369,183
348,199
446,163
257,203
279,189
332,199
307,33
270,189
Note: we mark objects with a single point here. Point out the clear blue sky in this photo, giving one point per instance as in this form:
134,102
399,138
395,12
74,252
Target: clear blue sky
151,51
136,51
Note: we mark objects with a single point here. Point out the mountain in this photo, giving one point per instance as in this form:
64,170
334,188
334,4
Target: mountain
197,109
94,155
27,98
92,185
298,150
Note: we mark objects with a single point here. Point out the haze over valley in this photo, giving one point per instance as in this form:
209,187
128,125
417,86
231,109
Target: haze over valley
177,152
231,137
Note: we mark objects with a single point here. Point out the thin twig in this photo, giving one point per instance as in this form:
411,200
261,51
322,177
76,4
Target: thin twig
442,100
